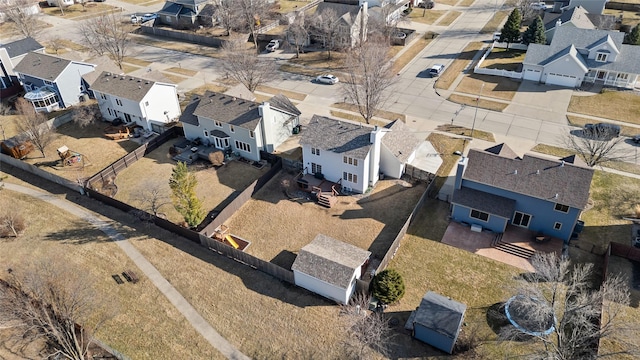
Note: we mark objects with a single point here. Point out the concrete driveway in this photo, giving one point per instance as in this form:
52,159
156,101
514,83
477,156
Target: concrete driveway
541,101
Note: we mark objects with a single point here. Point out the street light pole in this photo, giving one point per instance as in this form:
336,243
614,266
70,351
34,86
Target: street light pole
476,113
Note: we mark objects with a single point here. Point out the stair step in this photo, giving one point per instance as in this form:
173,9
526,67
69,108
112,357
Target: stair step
515,250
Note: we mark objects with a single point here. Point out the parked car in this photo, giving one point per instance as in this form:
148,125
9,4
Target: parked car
436,70
139,19
538,6
327,79
496,36
636,139
602,131
273,45
427,4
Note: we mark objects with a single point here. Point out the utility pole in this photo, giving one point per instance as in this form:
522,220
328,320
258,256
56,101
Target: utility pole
476,113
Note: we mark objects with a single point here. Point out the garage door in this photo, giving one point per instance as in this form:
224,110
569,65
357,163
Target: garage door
562,80
533,75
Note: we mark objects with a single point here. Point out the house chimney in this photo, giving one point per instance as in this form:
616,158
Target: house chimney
374,155
558,23
462,166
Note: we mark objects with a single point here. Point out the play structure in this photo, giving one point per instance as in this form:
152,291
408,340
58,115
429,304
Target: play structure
223,235
70,158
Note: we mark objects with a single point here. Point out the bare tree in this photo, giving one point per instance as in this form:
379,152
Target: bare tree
86,114
226,13
367,331
244,65
369,77
34,125
152,197
24,19
298,32
60,4
324,28
55,301
598,147
107,34
559,308
252,13
55,44
11,222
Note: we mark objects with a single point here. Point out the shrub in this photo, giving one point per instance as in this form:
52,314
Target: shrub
388,286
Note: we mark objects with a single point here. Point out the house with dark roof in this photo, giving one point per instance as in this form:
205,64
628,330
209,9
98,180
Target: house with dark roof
592,6
242,126
355,155
330,267
51,82
147,103
576,55
182,13
437,321
495,188
10,55
349,18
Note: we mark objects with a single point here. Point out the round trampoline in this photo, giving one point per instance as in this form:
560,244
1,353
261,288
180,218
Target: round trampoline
519,314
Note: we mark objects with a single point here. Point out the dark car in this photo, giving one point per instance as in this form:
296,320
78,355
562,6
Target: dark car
636,139
602,131
427,4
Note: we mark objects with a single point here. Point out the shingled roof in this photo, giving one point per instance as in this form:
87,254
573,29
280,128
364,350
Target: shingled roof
42,66
338,136
440,314
228,109
123,86
22,46
283,103
330,260
539,177
400,141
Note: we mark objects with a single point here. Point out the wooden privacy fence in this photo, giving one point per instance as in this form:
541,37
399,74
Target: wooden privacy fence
75,186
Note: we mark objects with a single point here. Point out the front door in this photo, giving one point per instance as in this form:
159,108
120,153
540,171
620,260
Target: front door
521,219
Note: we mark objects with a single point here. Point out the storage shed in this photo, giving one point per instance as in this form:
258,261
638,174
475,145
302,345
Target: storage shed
329,267
437,321
17,147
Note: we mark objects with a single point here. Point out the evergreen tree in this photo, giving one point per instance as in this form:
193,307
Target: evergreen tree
511,30
183,186
633,37
388,286
535,33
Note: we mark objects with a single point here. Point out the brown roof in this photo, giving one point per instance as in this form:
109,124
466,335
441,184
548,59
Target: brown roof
330,260
543,178
122,86
228,109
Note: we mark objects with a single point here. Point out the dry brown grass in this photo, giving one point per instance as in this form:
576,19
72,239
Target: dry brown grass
446,146
126,68
483,103
425,16
181,71
369,222
449,18
290,5
504,59
320,61
136,61
354,117
629,18
143,2
175,79
463,131
388,115
9,29
581,121
177,46
275,91
450,74
76,12
448,2
496,22
494,86
68,44
8,126
466,2
615,105
214,185
146,326
401,61
89,141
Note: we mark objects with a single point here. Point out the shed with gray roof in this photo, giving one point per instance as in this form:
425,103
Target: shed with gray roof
437,321
329,267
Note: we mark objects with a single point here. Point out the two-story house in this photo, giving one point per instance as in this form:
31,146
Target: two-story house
150,104
242,126
576,17
494,188
51,82
579,55
349,18
182,13
10,55
390,11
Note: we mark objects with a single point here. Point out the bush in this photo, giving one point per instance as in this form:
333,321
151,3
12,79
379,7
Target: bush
388,286
11,225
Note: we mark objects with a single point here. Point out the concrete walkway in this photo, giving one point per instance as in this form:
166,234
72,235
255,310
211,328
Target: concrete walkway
188,311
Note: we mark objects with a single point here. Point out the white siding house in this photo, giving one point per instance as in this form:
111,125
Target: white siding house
330,268
147,103
242,126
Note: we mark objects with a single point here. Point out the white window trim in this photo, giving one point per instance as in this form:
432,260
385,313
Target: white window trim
482,212
564,212
556,227
604,56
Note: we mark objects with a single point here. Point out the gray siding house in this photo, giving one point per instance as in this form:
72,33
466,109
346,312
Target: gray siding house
181,13
242,126
10,55
437,321
51,82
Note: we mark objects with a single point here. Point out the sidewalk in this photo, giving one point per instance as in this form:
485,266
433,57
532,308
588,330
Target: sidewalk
186,309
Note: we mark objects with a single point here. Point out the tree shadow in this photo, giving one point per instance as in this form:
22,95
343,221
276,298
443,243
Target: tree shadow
404,345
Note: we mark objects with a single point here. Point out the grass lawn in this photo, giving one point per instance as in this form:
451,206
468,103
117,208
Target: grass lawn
292,95
89,141
504,59
77,12
494,86
425,16
581,121
64,44
482,103
181,71
562,152
146,325
449,18
290,5
278,226
630,18
450,74
214,186
495,22
177,46
9,29
143,2
463,131
126,68
173,78
136,61
447,2
615,105
466,2
320,61
388,115
8,126
355,117
446,146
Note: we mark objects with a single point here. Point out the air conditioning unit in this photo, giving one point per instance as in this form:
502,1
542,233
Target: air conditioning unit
476,228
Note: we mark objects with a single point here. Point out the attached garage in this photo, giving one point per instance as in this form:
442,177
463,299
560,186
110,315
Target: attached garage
563,80
532,74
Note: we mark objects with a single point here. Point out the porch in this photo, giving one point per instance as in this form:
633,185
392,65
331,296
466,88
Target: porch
514,247
43,99
326,191
611,78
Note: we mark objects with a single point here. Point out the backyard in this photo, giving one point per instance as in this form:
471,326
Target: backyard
215,186
370,222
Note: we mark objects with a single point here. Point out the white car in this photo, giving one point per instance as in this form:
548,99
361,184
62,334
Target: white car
273,45
139,19
327,79
538,6
436,70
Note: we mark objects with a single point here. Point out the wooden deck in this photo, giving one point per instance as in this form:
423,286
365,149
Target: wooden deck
326,191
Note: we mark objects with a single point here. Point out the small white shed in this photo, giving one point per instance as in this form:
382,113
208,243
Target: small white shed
329,267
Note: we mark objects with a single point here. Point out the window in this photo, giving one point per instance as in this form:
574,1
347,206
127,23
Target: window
231,128
521,219
251,134
217,123
206,133
562,208
479,215
602,57
350,160
315,168
221,143
146,103
243,146
557,226
315,151
350,177
118,102
622,76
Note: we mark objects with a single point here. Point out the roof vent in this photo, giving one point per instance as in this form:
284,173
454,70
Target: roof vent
537,172
146,82
139,80
555,196
515,172
139,87
234,98
122,78
562,163
108,74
